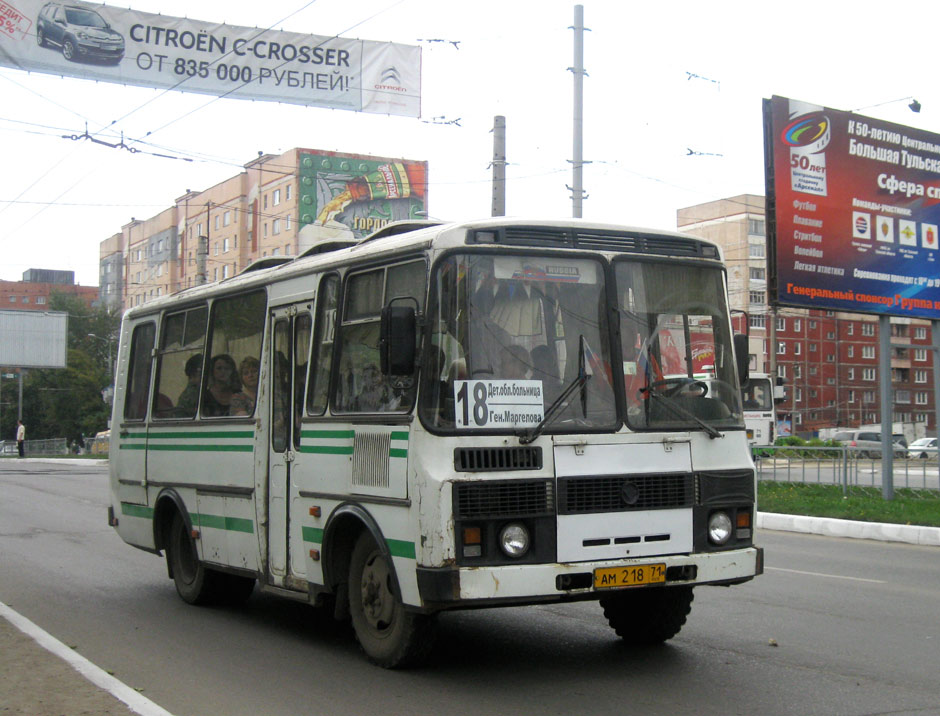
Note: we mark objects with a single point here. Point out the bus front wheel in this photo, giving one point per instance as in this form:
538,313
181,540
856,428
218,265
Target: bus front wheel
647,616
390,635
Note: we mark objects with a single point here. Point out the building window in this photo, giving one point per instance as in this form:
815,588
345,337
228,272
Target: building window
265,229
265,201
921,397
758,274
868,329
920,332
812,347
797,371
41,300
287,223
868,351
781,324
850,352
812,325
902,396
920,354
868,396
287,249
225,246
276,227
830,358
813,370
850,374
831,335
920,376
797,348
25,299
287,193
277,197
868,374
782,371
756,297
225,271
851,396
226,218
850,329
921,417
755,251
755,227
798,395
12,299
797,324
756,321
782,348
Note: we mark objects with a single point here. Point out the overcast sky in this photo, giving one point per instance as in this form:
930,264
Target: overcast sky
663,79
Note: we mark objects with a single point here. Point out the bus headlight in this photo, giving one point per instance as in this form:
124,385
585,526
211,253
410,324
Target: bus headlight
514,540
719,528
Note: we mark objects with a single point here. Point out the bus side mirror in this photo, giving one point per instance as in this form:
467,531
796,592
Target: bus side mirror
741,357
397,338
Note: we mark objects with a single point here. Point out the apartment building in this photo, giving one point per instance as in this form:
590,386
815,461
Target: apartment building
828,359
38,285
278,205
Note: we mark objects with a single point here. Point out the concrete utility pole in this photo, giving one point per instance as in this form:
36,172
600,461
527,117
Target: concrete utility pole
577,161
499,166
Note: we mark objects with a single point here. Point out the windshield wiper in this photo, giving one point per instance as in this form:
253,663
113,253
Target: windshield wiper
682,412
528,436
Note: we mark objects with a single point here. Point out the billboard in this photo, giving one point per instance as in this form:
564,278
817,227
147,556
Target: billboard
348,196
853,210
112,44
33,339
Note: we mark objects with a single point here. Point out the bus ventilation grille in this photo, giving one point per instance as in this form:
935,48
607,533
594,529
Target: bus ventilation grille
618,493
497,458
510,498
633,242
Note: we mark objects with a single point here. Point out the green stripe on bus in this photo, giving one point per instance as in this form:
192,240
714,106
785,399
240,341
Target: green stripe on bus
312,534
397,547
137,511
223,434
399,436
327,449
220,522
203,448
328,434
394,452
136,446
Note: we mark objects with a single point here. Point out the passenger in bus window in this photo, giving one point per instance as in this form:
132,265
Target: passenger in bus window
223,383
515,363
243,402
189,399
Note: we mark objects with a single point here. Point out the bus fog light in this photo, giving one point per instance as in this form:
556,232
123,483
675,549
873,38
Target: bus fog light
719,528
514,540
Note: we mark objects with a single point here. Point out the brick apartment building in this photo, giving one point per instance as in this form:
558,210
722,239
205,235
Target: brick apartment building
828,359
38,285
279,205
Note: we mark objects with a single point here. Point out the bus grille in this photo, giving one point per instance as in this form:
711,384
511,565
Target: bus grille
509,498
490,459
571,238
617,493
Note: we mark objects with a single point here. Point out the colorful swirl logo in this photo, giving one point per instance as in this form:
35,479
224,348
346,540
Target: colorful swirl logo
807,130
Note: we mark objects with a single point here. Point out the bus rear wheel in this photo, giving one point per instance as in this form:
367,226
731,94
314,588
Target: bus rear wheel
390,635
647,616
194,583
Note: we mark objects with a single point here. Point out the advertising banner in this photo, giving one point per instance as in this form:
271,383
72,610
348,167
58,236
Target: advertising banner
853,211
348,196
111,44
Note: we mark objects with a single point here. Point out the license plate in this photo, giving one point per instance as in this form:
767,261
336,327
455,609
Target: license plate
632,576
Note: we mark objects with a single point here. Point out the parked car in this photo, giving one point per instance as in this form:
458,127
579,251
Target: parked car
80,32
867,443
923,449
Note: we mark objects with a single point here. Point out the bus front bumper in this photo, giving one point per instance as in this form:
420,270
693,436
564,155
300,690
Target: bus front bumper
450,587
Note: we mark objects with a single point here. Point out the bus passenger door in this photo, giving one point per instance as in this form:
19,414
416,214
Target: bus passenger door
290,347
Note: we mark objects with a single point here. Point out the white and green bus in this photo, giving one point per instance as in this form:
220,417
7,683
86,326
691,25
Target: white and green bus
439,417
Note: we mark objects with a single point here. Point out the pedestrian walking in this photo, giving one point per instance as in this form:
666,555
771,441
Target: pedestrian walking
20,438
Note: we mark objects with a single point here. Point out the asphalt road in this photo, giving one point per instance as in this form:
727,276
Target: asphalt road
833,627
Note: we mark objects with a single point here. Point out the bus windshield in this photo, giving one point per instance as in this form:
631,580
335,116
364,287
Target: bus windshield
508,335
673,324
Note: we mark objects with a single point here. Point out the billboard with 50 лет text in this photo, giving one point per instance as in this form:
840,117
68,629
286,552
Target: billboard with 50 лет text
111,44
853,210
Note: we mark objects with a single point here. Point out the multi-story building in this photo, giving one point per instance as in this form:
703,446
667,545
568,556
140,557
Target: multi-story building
280,205
828,359
38,285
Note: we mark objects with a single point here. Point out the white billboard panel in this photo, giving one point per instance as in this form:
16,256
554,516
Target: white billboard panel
33,339
112,44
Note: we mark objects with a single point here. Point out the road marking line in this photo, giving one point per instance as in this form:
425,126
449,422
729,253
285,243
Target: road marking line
99,677
830,576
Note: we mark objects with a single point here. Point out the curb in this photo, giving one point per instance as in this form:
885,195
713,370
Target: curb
831,527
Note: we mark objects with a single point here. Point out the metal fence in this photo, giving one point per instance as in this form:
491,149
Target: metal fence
57,446
847,467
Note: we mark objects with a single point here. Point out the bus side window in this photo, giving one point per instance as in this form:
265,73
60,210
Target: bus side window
180,364
138,378
323,346
361,387
230,383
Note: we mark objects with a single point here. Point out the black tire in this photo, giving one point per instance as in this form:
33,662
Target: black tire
40,37
194,583
390,635
647,616
68,49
